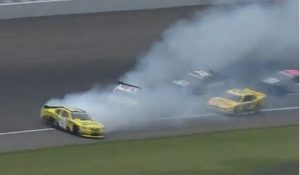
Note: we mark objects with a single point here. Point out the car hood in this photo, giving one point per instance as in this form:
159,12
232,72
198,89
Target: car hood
89,123
222,102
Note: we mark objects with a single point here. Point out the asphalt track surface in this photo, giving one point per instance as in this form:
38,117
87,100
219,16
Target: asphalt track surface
48,57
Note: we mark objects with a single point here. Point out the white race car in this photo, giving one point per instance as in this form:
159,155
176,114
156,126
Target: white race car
125,94
124,89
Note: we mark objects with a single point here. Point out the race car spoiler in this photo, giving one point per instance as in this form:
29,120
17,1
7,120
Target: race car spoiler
47,106
121,82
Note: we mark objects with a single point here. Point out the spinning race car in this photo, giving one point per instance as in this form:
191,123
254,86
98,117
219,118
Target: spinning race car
124,93
236,101
282,82
199,82
125,89
72,120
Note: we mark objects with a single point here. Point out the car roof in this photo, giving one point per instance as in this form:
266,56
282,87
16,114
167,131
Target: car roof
71,109
238,92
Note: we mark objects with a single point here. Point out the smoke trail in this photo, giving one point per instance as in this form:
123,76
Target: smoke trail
216,39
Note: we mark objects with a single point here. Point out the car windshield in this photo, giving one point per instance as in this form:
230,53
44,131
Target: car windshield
232,97
81,116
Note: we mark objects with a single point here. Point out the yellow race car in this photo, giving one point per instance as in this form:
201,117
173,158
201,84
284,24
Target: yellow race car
238,100
72,120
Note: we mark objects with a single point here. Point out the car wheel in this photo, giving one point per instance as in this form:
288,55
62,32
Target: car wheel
235,111
257,108
45,120
49,121
68,129
55,124
75,130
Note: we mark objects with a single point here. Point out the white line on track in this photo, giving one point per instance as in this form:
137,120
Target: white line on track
166,118
280,109
26,131
208,115
29,2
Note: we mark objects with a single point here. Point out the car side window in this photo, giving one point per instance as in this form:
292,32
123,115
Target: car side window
248,98
252,97
57,111
65,114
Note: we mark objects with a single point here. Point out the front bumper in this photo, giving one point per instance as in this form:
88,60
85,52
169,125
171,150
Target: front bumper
93,136
90,133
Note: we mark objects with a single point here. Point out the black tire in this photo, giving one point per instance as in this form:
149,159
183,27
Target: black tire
235,111
50,121
68,129
257,108
75,130
45,120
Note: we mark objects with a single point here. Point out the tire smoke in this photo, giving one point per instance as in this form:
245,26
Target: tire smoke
235,41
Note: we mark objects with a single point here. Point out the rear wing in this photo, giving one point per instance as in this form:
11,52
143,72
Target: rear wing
48,106
128,88
127,84
46,110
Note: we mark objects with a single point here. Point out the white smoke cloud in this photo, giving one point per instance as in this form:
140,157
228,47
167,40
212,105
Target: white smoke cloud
211,40
218,38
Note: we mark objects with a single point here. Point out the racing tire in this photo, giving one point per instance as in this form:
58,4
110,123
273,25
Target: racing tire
75,130
55,124
68,129
45,120
257,108
50,121
235,112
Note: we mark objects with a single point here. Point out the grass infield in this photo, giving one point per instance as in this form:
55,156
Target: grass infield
241,152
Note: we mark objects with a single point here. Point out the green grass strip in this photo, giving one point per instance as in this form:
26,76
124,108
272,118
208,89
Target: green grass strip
244,152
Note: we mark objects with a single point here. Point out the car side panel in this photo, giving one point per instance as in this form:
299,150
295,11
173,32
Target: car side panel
251,105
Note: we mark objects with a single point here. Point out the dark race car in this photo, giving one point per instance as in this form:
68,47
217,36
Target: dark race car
199,82
282,82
